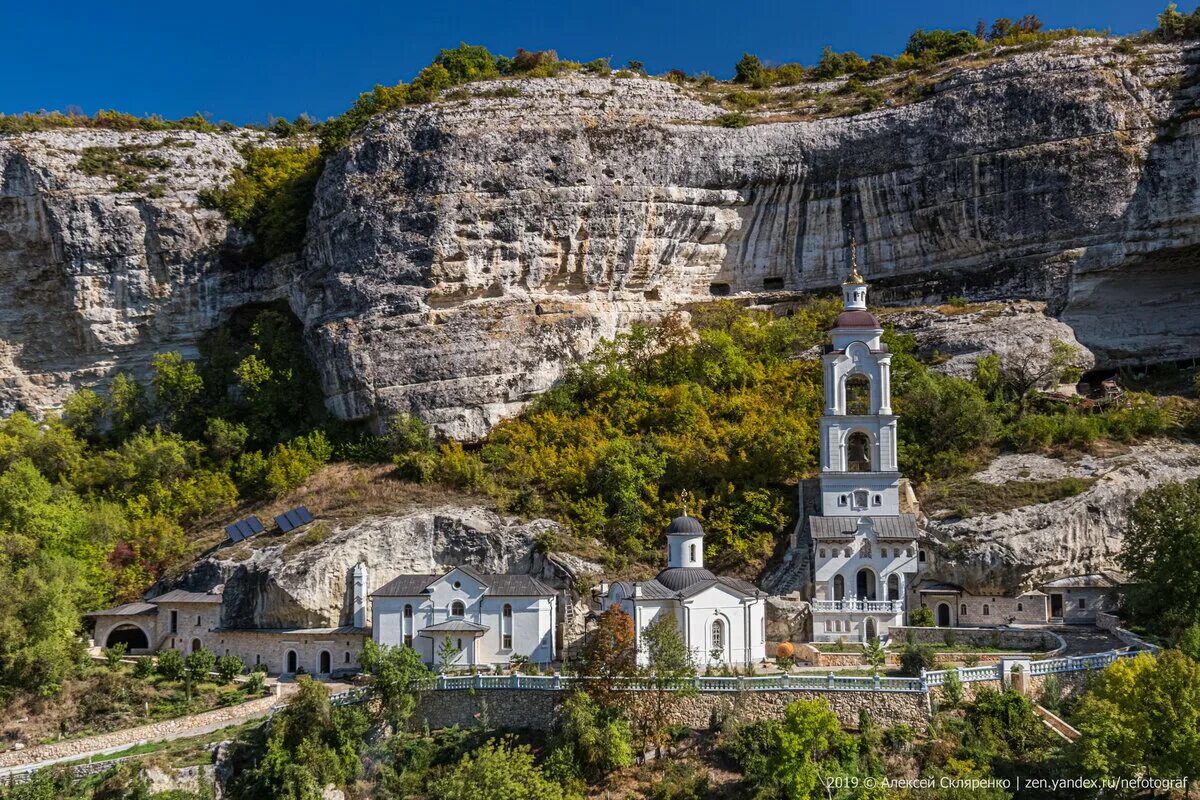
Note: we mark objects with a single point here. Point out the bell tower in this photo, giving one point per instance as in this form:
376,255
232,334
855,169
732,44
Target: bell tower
859,474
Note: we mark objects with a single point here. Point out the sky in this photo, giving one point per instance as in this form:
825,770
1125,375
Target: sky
246,61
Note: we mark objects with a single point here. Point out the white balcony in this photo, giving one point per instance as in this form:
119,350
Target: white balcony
861,606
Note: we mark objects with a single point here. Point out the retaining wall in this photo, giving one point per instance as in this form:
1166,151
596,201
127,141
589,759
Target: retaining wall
538,709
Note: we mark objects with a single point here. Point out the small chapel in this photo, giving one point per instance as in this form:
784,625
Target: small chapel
864,550
722,620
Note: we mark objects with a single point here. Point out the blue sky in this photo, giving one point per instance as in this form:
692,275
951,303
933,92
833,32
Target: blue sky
243,61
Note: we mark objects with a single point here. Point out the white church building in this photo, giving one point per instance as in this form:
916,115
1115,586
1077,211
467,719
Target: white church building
487,618
722,620
864,551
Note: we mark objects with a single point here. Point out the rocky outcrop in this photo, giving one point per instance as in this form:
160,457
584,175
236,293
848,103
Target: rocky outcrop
1001,553
461,254
99,272
280,586
1020,332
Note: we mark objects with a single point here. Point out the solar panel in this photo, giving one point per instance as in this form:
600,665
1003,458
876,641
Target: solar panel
244,528
290,520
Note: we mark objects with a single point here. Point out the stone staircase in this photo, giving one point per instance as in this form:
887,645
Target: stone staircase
792,575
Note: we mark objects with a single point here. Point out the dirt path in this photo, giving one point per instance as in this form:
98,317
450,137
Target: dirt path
115,741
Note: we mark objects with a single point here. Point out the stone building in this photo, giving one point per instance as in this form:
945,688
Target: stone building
1071,600
187,621
487,618
722,620
864,549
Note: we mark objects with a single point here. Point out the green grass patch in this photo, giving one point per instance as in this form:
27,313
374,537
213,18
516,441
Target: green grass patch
967,497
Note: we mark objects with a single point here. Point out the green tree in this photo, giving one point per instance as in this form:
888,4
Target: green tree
448,654
1162,557
310,746
597,740
1141,714
229,667
200,663
467,63
113,655
177,388
874,654
750,70
171,665
921,617
397,676
808,736
85,413
667,676
498,770
127,406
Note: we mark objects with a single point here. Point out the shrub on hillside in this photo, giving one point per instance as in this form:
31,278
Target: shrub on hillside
170,665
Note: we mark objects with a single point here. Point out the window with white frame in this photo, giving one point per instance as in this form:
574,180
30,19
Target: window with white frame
718,635
506,625
457,609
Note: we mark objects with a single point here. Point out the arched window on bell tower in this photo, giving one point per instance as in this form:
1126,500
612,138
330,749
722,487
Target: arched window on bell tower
858,452
858,394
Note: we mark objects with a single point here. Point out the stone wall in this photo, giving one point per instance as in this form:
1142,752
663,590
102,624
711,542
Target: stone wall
538,709
272,648
1008,638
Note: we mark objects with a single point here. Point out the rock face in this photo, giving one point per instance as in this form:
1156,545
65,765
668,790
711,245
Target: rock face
277,588
461,254
95,280
1000,553
1020,332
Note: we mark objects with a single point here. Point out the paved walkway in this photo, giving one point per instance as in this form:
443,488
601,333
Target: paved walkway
115,741
1084,640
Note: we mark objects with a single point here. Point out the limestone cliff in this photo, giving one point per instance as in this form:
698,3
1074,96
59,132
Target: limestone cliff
294,582
460,254
999,553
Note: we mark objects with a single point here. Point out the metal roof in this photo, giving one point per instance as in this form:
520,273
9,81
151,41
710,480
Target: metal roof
939,587
654,590
685,524
344,630
679,578
1102,580
857,319
496,585
180,596
903,526
126,610
454,626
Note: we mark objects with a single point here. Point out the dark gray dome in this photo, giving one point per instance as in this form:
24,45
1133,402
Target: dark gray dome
679,578
685,525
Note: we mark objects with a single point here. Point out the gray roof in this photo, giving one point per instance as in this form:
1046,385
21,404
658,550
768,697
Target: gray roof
454,626
344,630
126,610
180,596
1098,580
498,584
939,587
654,590
903,526
685,524
678,578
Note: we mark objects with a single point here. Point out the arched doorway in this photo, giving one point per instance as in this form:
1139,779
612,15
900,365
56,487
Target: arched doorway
133,637
870,630
323,663
893,584
290,662
865,581
839,587
943,615
196,645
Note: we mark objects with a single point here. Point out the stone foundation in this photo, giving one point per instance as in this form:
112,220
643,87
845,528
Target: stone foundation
538,710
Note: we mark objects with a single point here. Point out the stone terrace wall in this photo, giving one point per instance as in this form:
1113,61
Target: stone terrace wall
1008,638
538,710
